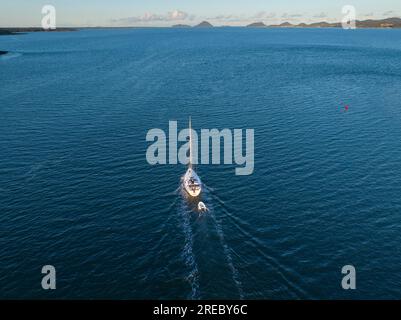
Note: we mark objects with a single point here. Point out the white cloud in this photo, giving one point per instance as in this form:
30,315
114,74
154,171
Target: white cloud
176,15
292,15
390,13
320,15
264,15
368,15
227,18
241,19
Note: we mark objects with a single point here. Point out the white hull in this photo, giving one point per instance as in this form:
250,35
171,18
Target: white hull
202,207
192,183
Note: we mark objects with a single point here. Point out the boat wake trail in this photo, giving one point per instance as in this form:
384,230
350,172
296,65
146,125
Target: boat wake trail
187,253
281,270
227,250
185,208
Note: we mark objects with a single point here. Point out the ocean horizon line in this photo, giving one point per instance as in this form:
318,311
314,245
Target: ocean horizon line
387,23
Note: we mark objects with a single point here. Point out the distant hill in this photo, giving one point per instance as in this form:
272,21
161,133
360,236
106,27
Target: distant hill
6,31
323,25
181,26
383,23
283,25
204,24
256,25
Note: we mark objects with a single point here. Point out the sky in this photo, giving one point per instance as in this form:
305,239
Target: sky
75,13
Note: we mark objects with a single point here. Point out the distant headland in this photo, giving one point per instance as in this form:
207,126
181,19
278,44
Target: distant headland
382,23
257,25
11,31
203,24
17,31
181,26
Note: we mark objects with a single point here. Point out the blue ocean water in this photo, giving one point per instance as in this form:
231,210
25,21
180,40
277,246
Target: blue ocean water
77,192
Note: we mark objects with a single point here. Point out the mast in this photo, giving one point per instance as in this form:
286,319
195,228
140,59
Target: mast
190,144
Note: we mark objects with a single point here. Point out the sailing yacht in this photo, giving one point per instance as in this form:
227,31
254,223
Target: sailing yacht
192,182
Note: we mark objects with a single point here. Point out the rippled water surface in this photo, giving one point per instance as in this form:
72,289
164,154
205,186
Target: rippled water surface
77,192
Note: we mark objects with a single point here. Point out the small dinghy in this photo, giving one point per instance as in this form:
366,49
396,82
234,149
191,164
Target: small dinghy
202,207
